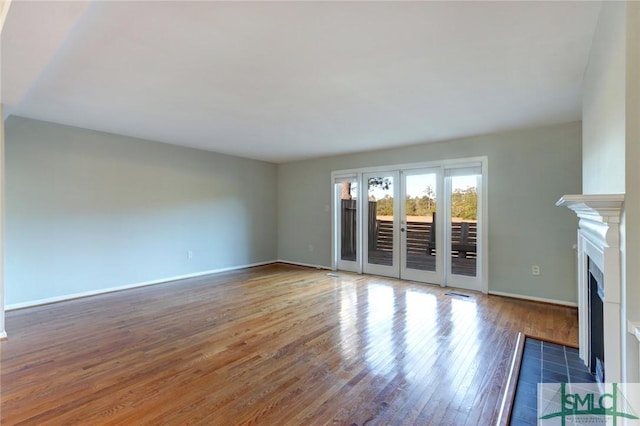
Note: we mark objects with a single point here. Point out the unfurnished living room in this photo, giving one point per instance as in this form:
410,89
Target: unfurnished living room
356,213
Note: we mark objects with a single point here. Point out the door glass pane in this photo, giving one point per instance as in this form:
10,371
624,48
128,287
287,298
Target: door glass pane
464,224
348,223
420,222
380,220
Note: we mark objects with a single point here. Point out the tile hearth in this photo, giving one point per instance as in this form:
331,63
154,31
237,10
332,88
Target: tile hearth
544,362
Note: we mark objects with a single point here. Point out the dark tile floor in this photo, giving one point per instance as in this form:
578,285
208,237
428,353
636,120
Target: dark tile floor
544,362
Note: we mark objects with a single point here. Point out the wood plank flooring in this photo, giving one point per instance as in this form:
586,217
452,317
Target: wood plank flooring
271,345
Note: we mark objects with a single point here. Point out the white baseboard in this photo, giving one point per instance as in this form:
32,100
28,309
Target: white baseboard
535,299
47,301
308,265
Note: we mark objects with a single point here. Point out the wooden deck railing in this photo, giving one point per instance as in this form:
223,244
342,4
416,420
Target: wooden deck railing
421,238
420,235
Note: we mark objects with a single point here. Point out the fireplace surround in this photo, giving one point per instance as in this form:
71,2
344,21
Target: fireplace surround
599,250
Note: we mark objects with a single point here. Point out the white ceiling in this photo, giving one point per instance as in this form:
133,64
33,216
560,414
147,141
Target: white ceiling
280,81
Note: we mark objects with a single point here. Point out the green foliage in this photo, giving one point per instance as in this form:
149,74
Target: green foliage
420,206
380,182
416,206
385,206
464,203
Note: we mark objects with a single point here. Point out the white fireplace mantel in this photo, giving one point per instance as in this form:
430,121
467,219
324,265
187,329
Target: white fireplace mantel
599,208
599,242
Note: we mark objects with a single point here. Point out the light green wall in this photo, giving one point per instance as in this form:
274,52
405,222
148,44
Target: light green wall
87,210
611,152
631,266
603,111
529,171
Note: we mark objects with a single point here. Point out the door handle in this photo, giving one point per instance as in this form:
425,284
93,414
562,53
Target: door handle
401,229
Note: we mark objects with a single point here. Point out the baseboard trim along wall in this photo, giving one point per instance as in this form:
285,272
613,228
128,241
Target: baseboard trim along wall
232,268
129,286
534,299
308,265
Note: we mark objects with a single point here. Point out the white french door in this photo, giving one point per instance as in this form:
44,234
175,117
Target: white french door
463,227
346,223
417,223
380,230
421,243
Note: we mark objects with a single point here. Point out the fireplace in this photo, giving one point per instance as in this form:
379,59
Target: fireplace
596,321
599,282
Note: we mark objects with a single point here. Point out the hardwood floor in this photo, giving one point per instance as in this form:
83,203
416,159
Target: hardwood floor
271,345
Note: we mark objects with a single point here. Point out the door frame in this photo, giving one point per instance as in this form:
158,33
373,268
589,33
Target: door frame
483,229
433,277
462,281
336,220
392,271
